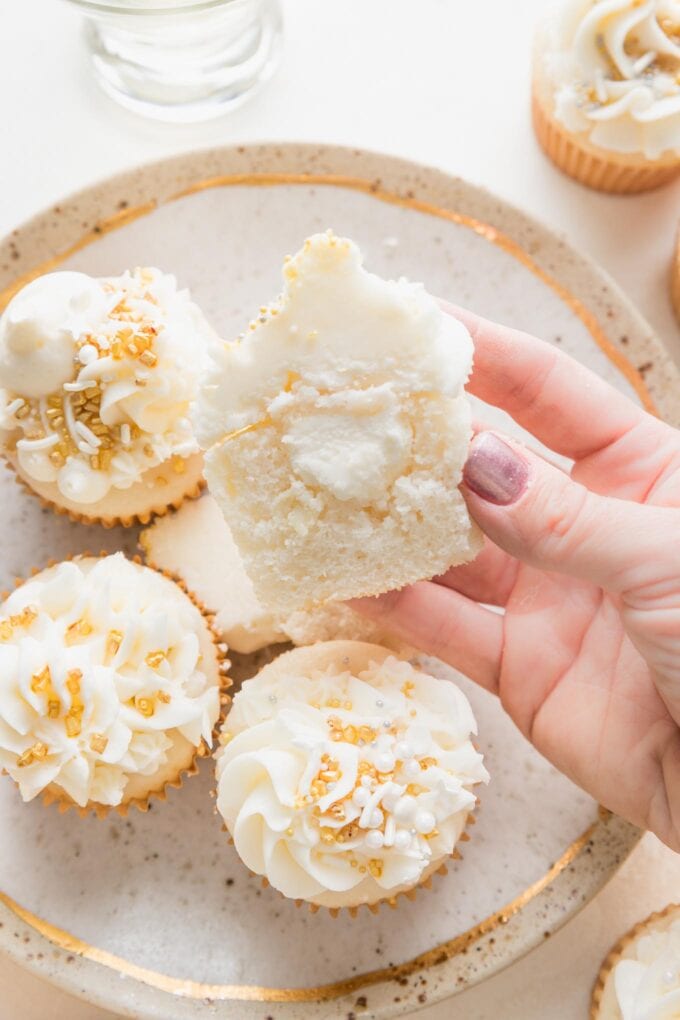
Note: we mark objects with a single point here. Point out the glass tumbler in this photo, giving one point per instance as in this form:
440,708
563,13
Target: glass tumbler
182,60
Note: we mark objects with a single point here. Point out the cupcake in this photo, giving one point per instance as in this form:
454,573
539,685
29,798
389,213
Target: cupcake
640,978
345,775
109,684
196,545
606,92
96,378
336,432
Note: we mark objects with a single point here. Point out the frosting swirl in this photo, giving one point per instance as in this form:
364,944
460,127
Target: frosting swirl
100,664
346,789
97,377
615,69
648,986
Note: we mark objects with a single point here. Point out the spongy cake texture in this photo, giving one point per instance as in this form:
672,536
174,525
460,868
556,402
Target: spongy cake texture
336,432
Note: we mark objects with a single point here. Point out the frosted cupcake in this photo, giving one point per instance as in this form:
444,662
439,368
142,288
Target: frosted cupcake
196,545
337,430
96,377
345,775
606,93
640,978
109,684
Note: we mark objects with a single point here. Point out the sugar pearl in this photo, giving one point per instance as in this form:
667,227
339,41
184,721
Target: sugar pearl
87,354
411,769
361,796
384,762
376,819
405,808
403,750
366,781
670,977
374,839
390,801
425,821
402,839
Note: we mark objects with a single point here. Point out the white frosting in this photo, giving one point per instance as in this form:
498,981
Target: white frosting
343,348
355,818
614,66
648,986
99,661
96,379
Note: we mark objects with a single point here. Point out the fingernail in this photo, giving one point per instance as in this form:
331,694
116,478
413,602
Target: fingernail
494,470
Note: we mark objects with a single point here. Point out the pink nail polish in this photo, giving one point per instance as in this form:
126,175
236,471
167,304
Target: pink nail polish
494,470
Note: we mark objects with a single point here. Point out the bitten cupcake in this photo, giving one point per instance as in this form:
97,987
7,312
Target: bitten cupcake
345,775
96,378
336,431
110,684
196,545
640,978
606,92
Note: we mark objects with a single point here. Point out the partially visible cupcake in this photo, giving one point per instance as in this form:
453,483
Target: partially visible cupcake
346,775
197,545
640,977
606,92
96,378
110,682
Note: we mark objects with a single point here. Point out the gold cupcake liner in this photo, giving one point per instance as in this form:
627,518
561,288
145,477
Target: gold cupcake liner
63,802
142,517
615,954
622,175
388,901
675,279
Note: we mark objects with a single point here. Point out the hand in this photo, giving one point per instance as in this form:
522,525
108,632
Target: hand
586,656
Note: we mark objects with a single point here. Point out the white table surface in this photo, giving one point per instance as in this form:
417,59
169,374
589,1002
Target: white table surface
439,81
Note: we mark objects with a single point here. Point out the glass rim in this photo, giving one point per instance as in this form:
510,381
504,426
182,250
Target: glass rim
175,7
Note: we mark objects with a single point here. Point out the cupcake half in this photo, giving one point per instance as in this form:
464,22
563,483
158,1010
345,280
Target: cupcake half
96,378
197,545
110,681
606,92
640,978
345,775
337,429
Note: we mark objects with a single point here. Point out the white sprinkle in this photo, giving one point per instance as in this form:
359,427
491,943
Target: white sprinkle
87,354
411,769
387,723
669,977
87,450
643,62
272,698
366,781
371,810
405,808
425,822
384,762
403,750
380,704
390,830
391,242
374,839
38,444
376,819
77,386
361,796
402,839
125,433
14,406
87,434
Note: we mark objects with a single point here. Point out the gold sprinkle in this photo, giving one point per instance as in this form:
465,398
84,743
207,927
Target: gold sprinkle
98,743
375,866
179,465
327,835
333,703
145,706
148,358
155,659
53,708
22,412
94,462
289,831
40,750
41,681
5,630
427,763
161,480
414,789
350,734
80,628
114,641
164,697
318,788
57,458
73,679
407,688
148,450
73,725
335,723
25,759
52,412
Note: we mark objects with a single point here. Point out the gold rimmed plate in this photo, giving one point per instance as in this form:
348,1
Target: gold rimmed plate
154,916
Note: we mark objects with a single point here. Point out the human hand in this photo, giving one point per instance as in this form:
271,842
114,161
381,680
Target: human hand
586,656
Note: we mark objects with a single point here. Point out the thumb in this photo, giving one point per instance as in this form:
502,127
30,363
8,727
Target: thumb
539,515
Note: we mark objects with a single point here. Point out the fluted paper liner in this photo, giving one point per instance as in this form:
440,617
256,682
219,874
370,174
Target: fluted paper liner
603,1005
675,279
157,507
391,900
612,172
64,803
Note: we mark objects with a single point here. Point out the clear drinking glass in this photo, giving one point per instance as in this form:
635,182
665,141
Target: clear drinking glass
182,60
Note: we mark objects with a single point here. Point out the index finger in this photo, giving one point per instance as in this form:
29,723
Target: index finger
561,402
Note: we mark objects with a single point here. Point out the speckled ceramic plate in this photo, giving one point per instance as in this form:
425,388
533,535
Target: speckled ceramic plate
154,916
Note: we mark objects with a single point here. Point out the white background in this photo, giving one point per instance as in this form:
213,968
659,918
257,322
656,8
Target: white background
444,82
